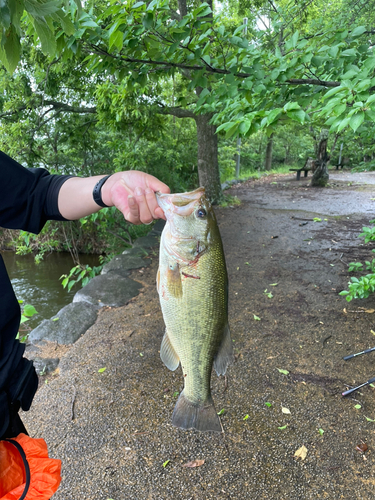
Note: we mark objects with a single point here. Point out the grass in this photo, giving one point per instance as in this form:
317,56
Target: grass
257,174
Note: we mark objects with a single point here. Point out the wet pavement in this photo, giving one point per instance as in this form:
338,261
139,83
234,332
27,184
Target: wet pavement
112,428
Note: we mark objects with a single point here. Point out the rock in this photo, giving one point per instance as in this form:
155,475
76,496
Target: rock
158,228
146,242
73,321
122,264
45,365
109,289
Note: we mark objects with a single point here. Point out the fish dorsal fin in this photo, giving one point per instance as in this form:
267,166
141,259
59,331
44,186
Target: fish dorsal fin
224,354
168,354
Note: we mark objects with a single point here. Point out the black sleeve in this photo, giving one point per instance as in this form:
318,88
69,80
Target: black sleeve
28,197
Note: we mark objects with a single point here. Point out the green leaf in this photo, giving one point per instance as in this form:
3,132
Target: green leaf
294,38
221,412
46,37
55,319
41,9
245,417
321,431
357,407
116,39
29,310
349,53
332,92
167,461
358,31
256,318
148,20
268,404
283,427
369,419
357,120
298,115
10,51
284,372
138,4
101,370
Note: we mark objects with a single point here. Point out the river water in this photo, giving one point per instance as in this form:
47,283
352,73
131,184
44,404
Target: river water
39,284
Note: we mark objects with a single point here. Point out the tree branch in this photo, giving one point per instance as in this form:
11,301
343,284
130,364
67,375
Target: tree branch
175,111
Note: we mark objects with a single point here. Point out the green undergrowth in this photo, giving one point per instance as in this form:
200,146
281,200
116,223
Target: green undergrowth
363,286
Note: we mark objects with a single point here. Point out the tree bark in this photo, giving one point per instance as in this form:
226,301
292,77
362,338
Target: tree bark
208,164
268,162
320,177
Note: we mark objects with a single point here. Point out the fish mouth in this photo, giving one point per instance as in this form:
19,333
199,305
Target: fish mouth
182,204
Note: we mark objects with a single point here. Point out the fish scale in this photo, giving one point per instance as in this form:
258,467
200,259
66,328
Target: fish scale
192,286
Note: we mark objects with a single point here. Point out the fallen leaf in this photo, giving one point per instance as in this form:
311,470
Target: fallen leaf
285,410
301,452
369,311
283,427
284,372
101,370
345,311
245,417
194,463
166,463
361,447
221,412
256,318
357,407
372,331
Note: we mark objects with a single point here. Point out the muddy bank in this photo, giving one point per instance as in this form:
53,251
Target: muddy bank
112,428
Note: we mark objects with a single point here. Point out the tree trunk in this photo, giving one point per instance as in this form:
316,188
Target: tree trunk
268,162
320,177
208,164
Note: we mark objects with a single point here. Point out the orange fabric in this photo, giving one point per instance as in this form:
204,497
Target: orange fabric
45,472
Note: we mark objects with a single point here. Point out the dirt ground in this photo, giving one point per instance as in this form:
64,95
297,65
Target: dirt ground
112,430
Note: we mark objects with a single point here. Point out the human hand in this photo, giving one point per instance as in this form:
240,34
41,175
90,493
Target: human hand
133,193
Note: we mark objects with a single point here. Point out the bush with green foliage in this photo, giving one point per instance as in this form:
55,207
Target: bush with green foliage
363,287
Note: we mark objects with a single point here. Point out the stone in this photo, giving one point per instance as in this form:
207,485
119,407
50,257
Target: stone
110,289
45,365
157,228
146,242
122,264
73,321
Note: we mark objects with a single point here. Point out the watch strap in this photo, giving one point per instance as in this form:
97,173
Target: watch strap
97,192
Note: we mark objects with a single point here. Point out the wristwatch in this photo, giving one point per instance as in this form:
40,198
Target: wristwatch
97,192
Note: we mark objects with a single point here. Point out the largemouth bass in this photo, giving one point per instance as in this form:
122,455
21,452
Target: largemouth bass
192,283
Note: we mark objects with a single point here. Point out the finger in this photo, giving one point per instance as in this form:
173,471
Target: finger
153,204
155,185
145,214
132,215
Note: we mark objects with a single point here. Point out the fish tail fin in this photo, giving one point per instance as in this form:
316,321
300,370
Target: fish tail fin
203,417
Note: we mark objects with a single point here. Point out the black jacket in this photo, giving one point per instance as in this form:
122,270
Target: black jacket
28,198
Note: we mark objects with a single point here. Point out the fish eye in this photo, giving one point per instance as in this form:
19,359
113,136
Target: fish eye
201,212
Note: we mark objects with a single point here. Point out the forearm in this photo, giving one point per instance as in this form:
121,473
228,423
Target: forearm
75,197
131,192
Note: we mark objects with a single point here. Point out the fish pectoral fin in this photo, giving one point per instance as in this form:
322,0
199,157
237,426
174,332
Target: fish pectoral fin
158,280
168,354
224,354
173,281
